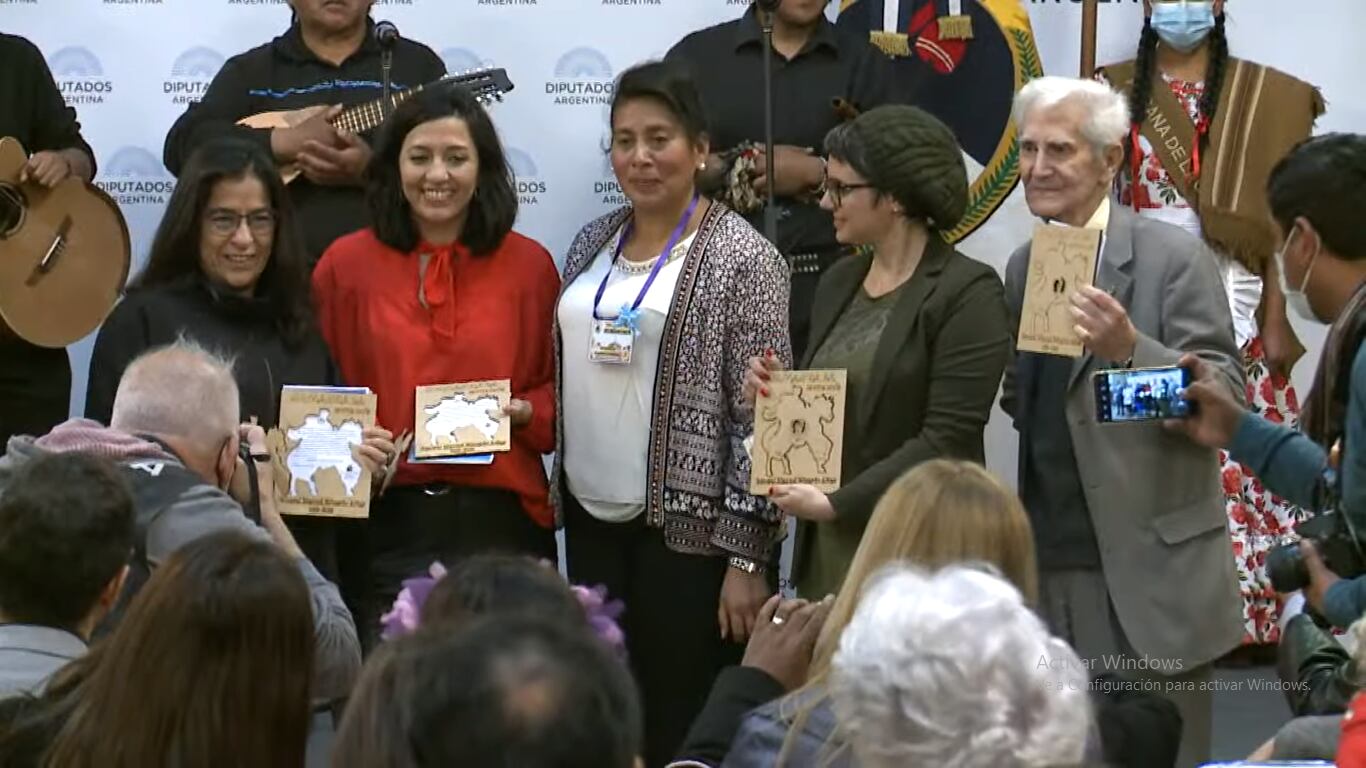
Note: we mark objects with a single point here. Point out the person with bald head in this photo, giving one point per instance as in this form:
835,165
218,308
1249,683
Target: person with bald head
175,435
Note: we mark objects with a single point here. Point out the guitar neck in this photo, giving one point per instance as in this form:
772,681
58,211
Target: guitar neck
364,117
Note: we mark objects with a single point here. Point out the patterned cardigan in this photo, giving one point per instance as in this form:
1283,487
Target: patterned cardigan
729,305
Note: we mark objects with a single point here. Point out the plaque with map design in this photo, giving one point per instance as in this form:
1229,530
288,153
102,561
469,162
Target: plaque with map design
462,419
317,472
799,431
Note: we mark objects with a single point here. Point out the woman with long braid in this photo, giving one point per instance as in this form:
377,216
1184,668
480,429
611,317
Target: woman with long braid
1206,130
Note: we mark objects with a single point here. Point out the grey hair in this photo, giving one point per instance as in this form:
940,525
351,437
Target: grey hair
179,390
952,669
1107,110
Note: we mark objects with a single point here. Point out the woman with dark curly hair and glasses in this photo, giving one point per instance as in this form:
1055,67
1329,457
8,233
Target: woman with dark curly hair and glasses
440,290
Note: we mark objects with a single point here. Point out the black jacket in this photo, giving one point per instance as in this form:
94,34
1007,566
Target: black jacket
285,75
1318,673
221,322
935,375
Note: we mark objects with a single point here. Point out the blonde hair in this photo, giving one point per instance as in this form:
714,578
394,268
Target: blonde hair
942,512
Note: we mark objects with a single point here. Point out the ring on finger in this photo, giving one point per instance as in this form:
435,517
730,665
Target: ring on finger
778,619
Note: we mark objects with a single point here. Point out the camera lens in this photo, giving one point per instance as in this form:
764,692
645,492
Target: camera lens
1285,567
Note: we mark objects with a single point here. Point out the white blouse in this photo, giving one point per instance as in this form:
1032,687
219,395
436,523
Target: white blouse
607,407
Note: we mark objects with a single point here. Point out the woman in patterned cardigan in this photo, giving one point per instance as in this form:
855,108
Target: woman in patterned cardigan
664,302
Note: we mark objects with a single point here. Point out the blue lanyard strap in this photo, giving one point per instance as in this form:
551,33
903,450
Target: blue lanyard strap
629,314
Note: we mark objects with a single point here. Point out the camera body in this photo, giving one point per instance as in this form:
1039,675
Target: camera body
1332,534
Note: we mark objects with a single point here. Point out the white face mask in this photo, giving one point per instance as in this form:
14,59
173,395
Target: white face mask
1296,299
1183,25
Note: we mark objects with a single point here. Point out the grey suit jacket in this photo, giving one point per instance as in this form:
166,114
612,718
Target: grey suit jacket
1155,498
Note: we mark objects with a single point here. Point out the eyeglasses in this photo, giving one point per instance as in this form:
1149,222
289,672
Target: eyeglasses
838,191
261,223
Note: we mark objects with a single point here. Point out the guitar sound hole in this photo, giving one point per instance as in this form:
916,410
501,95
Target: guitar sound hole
12,205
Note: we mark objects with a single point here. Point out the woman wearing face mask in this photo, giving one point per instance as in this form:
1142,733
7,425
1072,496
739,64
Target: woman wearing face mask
441,290
1206,130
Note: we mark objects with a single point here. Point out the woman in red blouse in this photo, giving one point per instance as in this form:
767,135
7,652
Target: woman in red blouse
440,290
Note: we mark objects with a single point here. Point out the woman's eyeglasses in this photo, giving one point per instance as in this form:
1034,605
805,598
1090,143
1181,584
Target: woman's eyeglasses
838,191
224,223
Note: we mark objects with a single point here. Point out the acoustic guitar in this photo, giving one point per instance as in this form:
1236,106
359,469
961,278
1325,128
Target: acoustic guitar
486,85
64,255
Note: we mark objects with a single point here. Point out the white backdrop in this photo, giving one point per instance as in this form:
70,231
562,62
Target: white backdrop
129,67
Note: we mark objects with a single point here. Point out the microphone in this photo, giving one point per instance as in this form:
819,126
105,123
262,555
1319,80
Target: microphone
769,6
386,34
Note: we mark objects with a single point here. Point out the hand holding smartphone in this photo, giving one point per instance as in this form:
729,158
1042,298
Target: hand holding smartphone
1141,394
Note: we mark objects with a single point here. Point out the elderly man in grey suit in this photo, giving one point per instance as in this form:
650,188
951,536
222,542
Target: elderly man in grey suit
1134,556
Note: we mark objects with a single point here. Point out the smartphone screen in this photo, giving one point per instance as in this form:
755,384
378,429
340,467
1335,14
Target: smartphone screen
1141,394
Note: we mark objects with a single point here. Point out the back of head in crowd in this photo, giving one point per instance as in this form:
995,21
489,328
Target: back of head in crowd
403,158
940,513
227,183
186,396
210,667
505,692
953,669
502,585
66,534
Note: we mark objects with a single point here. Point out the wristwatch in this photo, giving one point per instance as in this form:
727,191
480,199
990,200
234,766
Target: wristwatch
748,566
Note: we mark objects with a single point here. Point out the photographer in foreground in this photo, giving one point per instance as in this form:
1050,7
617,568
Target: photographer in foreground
1316,195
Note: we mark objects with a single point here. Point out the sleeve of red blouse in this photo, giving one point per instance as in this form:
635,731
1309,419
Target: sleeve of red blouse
540,385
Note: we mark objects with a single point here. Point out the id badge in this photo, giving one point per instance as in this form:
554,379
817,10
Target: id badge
610,342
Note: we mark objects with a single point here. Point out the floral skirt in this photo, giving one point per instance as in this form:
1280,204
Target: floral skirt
1258,520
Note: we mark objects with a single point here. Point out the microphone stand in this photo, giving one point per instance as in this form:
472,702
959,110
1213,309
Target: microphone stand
770,207
386,65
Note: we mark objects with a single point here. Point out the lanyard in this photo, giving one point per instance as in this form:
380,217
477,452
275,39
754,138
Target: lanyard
628,314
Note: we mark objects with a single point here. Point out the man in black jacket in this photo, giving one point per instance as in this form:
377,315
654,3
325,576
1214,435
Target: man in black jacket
328,58
35,382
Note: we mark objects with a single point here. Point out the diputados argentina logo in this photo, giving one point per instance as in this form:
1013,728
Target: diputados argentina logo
607,189
191,74
582,76
134,176
80,76
530,185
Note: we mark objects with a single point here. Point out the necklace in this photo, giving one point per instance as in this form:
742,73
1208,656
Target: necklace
634,267
627,267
